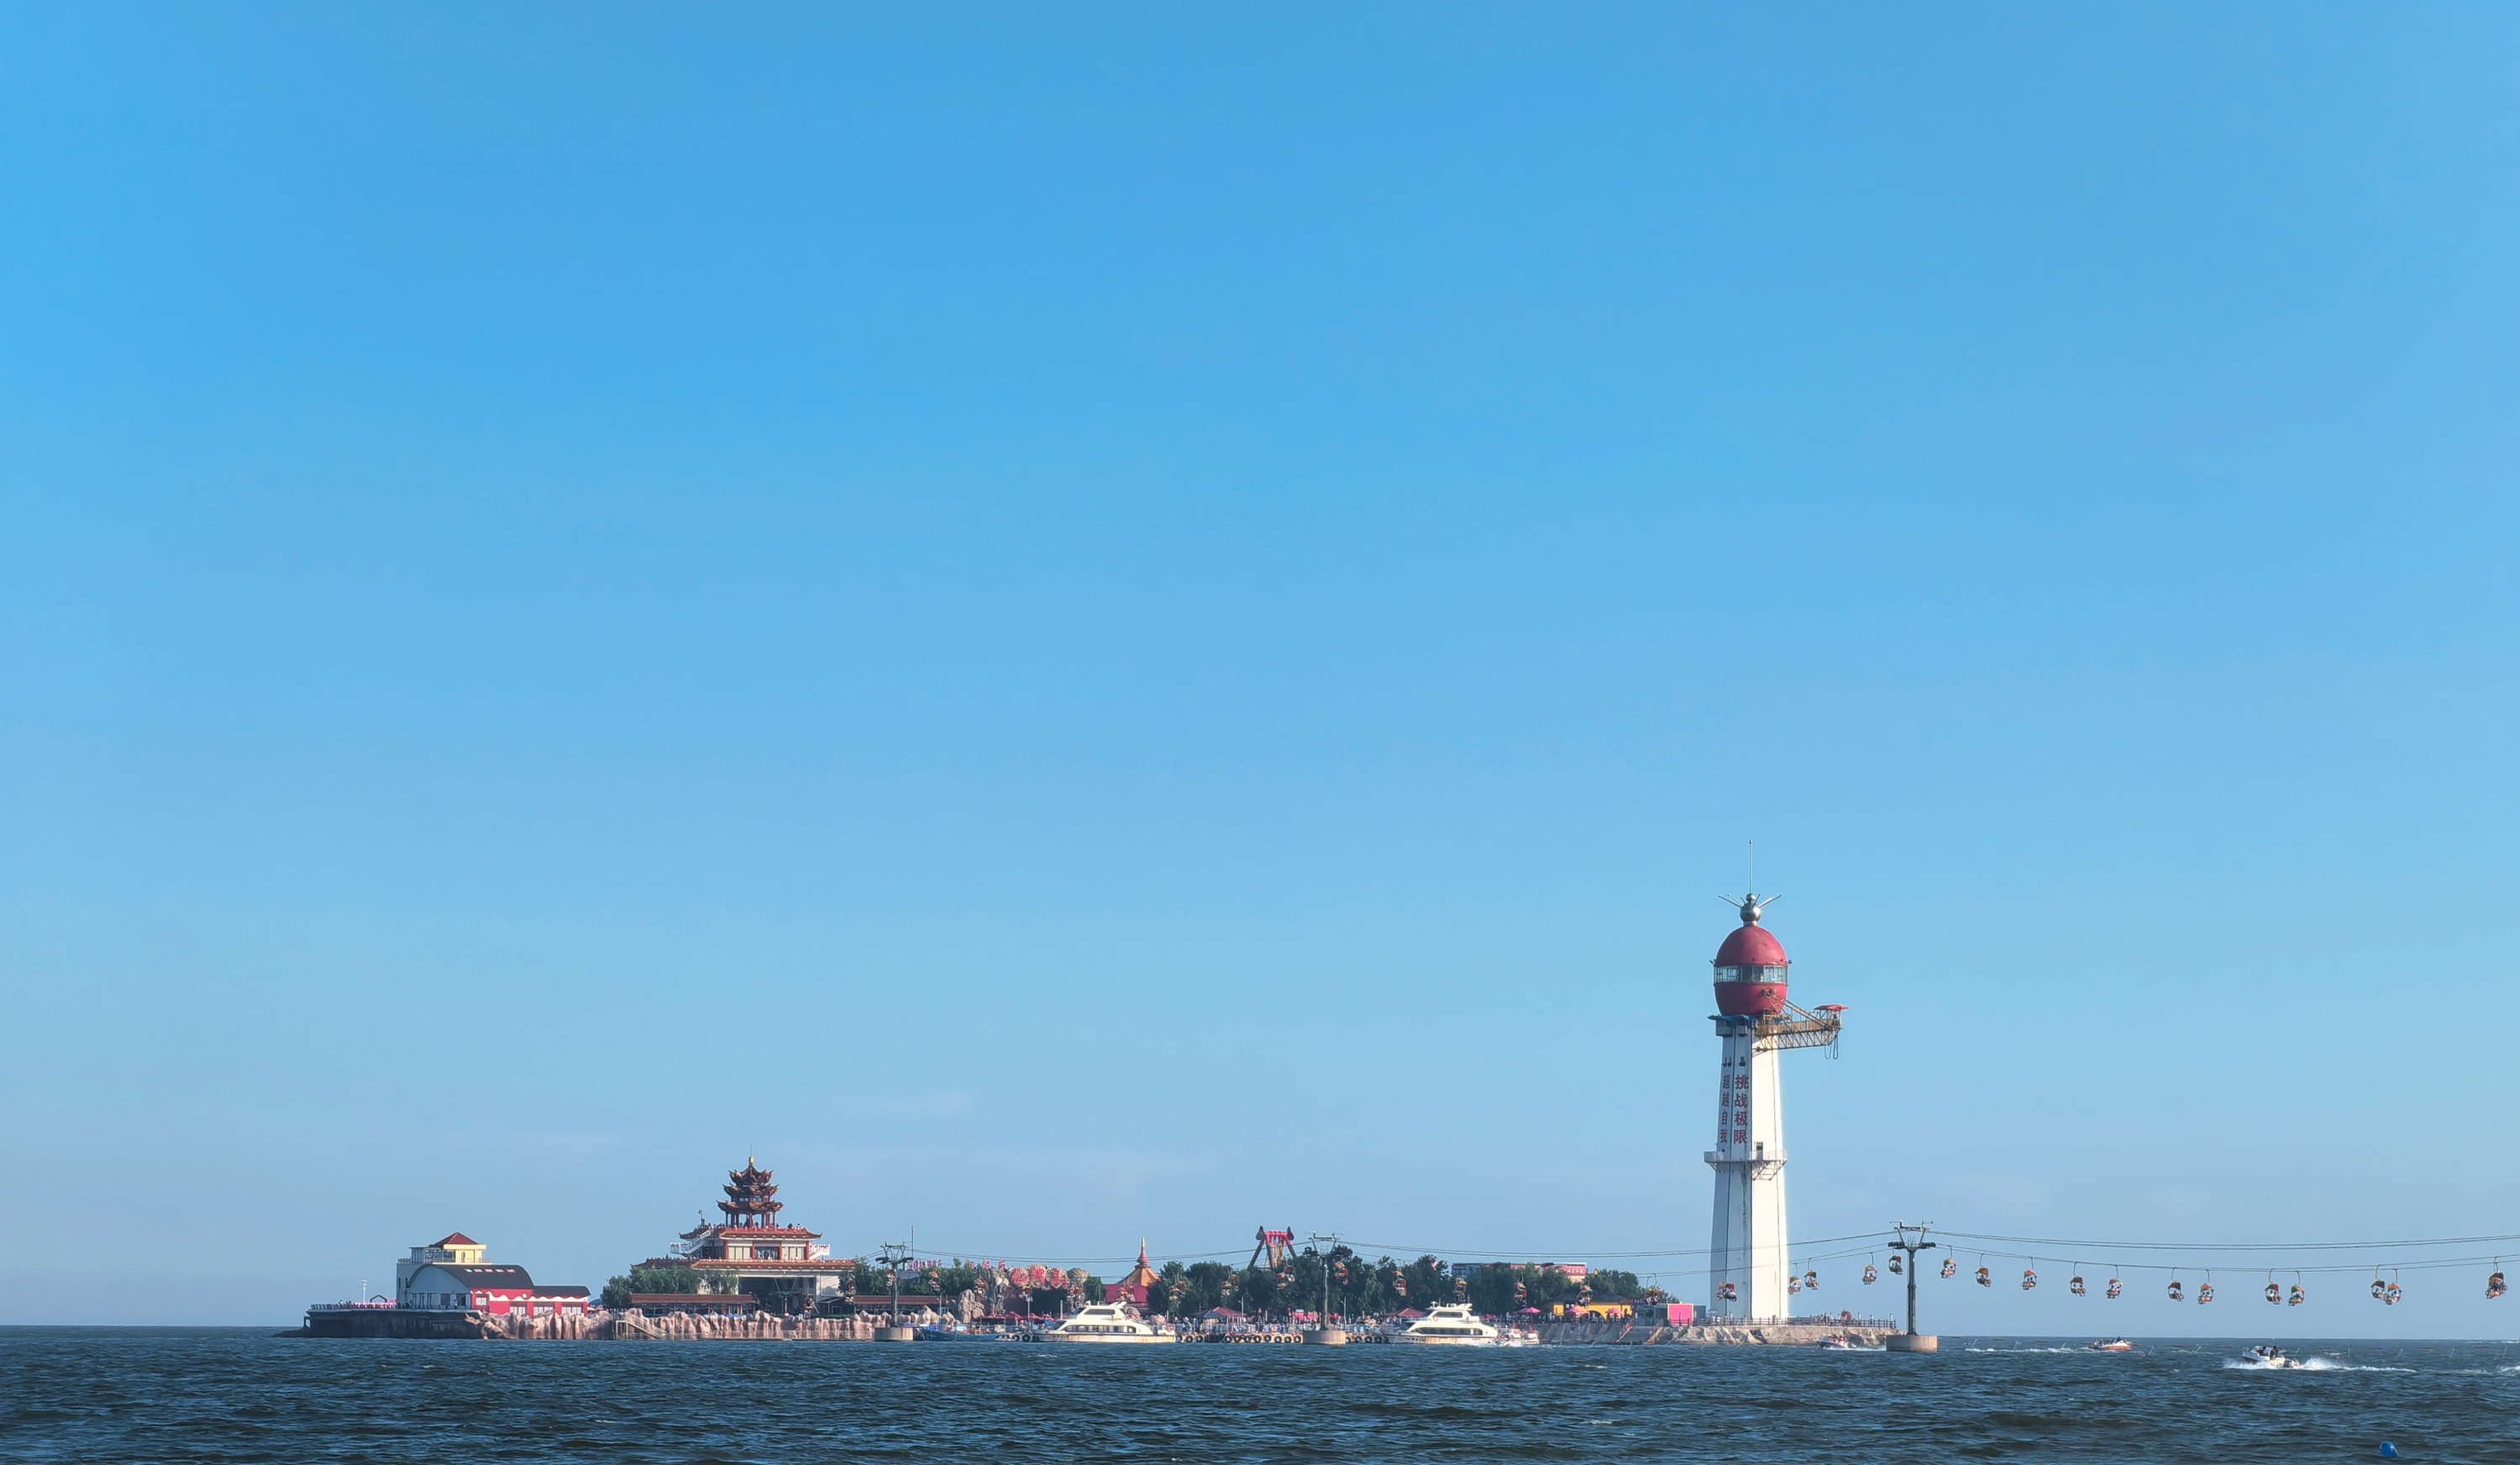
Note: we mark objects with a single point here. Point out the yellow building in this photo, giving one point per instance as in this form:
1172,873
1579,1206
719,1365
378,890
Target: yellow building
1591,1310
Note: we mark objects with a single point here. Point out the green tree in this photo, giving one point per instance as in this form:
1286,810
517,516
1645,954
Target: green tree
1169,1284
1303,1286
1612,1285
1355,1288
1429,1284
1548,1285
617,1290
1498,1289
955,1280
1362,1291
664,1279
1204,1285
1257,1290
1389,1286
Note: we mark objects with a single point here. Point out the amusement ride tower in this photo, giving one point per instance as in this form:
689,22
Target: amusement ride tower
1748,1270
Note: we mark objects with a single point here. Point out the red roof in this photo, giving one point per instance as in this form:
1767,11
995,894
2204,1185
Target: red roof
457,1238
1750,946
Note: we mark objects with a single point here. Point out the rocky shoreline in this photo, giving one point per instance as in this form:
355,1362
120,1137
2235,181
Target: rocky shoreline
1714,1335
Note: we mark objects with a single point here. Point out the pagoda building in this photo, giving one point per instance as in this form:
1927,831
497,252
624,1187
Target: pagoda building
1133,1287
786,1267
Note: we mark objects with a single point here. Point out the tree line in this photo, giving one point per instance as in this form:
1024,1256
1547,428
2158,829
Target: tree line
1355,1287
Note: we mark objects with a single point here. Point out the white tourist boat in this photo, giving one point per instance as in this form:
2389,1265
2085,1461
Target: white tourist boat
1454,1325
1108,1323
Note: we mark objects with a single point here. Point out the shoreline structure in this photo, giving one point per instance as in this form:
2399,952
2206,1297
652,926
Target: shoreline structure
756,1279
632,1326
756,1275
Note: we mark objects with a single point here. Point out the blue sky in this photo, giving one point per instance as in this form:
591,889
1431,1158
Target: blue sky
1085,624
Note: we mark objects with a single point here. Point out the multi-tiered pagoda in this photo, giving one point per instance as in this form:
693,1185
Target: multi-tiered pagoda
786,1267
748,1202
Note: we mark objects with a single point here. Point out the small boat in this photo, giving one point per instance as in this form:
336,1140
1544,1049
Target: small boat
1108,1323
2111,1345
1837,1345
1454,1325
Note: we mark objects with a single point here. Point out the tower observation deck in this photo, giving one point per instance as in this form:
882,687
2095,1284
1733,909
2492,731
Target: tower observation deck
1747,1266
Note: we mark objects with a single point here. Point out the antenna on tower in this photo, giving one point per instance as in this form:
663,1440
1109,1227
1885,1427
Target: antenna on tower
1749,903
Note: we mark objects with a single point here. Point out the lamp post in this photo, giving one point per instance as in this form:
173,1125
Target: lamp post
1322,1334
895,1255
1912,1341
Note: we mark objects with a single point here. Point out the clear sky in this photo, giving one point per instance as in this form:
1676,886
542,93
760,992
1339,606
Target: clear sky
1076,624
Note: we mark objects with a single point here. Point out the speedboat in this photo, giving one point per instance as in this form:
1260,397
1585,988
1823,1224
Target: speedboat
2268,1356
1835,1344
2111,1345
1453,1326
1108,1323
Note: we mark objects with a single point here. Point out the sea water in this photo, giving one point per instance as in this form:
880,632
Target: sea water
227,1394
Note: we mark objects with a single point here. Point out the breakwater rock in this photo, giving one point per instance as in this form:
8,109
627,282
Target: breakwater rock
1715,1334
594,1325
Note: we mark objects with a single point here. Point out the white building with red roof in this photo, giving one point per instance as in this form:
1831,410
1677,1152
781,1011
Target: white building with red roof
455,1274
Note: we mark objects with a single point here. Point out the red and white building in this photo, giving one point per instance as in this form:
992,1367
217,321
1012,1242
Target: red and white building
1133,1287
453,1274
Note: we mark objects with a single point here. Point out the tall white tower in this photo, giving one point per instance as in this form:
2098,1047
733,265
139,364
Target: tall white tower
1749,1266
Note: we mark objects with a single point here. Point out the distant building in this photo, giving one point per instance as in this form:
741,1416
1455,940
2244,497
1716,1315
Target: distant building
785,1269
454,1274
1133,1286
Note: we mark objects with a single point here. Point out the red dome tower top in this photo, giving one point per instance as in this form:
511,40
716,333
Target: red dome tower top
1750,966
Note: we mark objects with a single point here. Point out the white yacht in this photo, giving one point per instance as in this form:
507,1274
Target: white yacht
1454,1325
1108,1322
